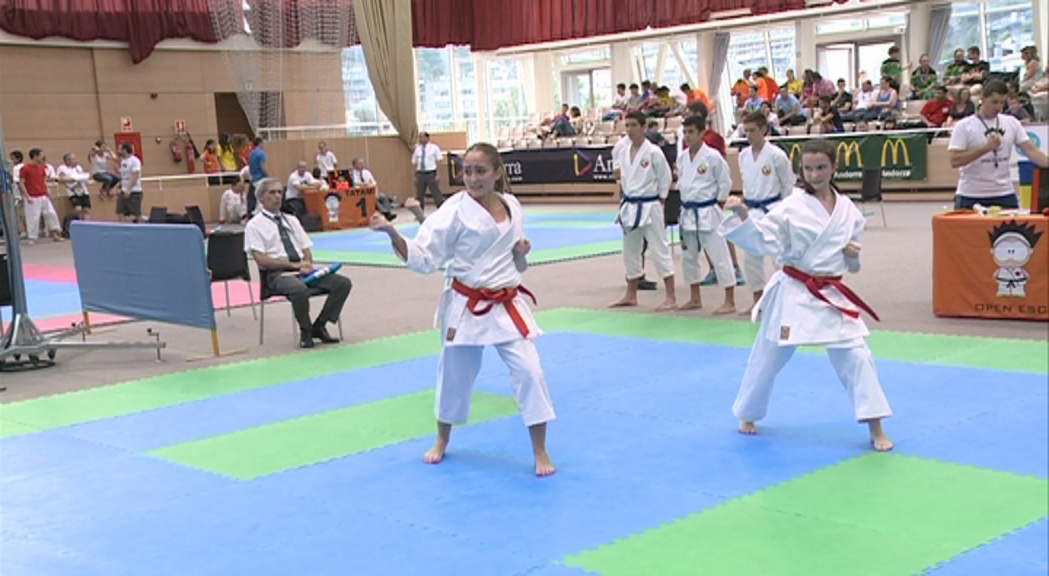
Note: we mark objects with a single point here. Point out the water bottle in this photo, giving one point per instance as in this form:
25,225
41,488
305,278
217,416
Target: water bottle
312,278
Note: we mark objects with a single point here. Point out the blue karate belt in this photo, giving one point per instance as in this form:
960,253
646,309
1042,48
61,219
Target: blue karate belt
694,207
640,201
763,204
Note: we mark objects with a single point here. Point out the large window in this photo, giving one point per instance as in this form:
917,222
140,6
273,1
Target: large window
1000,28
507,106
435,89
363,115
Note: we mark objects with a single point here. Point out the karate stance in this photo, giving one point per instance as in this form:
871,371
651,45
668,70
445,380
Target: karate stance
479,237
815,234
704,182
768,178
644,177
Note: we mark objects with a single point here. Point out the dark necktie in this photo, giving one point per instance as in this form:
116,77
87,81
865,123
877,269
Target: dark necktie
285,238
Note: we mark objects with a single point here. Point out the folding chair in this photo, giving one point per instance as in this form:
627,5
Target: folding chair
870,191
227,261
265,294
672,216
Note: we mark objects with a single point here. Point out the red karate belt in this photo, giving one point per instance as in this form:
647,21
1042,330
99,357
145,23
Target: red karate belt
489,298
817,283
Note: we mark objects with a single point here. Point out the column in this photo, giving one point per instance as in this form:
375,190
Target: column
1039,12
705,59
918,20
623,69
805,48
542,82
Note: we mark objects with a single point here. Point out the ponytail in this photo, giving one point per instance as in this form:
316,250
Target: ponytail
502,185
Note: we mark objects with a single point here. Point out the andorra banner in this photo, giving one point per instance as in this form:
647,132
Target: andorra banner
900,157
553,165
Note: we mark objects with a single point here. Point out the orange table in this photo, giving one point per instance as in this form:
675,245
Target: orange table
356,205
990,266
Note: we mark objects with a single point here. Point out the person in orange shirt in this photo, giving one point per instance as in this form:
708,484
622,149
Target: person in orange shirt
741,89
209,159
694,95
767,87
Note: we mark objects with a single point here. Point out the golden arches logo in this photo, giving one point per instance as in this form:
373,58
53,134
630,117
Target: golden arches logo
898,146
845,152
795,152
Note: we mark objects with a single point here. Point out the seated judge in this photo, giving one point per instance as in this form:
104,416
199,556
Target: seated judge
281,249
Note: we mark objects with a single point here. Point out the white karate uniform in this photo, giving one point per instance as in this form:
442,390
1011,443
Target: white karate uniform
645,181
703,180
464,238
766,177
800,233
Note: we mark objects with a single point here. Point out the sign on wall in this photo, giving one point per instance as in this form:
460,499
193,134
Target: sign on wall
126,125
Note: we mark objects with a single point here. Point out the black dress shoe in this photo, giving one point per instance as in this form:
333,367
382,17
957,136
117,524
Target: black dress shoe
321,333
305,339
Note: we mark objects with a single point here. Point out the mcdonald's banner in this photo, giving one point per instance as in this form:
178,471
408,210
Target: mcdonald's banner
553,165
900,157
990,266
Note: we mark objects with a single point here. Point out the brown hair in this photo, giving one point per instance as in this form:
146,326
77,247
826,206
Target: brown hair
492,155
828,149
757,118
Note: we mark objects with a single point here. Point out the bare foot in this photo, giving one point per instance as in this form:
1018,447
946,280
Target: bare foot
691,305
879,440
625,302
543,467
747,427
725,309
748,311
436,453
667,305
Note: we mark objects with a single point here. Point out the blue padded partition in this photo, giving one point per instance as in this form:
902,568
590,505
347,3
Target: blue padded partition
155,272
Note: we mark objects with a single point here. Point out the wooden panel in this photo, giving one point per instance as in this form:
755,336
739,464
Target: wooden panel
31,70
164,71
50,116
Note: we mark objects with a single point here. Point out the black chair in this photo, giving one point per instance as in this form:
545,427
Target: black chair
672,214
196,217
227,261
870,191
265,294
158,215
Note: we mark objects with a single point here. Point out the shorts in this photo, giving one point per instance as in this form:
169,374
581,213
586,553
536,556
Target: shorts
81,201
129,204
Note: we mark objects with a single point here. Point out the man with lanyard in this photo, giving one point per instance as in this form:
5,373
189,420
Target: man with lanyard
768,177
981,145
704,182
281,249
644,177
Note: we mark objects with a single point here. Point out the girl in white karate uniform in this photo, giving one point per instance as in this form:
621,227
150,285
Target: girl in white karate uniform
478,237
815,235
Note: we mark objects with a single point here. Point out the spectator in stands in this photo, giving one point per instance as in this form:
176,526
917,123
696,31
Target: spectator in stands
863,126
886,101
888,125
936,112
634,102
281,249
1032,73
955,73
233,207
257,169
830,118
646,90
978,71
654,134
209,159
227,158
773,118
1039,93
793,85
619,105
863,103
842,101
741,90
806,87
755,101
241,150
821,87
963,107
923,80
33,179
75,178
101,159
693,95
1016,108
892,69
767,87
789,109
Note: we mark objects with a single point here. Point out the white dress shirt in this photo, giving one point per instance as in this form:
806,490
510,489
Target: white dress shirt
425,158
261,234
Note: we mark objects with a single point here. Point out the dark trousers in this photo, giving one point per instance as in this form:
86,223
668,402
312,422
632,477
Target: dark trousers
966,202
336,286
252,200
424,180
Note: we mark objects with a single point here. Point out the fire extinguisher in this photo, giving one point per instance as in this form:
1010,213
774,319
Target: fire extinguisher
176,150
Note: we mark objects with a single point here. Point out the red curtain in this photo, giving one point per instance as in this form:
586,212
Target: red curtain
490,24
141,23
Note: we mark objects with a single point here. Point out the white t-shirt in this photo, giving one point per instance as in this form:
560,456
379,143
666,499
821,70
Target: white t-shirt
75,179
16,179
363,177
232,207
128,167
426,158
327,162
295,180
987,176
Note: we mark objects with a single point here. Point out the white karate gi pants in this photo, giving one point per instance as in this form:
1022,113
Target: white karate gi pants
852,360
458,370
716,247
34,209
658,246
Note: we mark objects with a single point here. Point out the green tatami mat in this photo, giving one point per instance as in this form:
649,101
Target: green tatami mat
873,515
177,388
180,387
310,439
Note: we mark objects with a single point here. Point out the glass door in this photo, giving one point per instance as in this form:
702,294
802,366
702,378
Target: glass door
838,61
